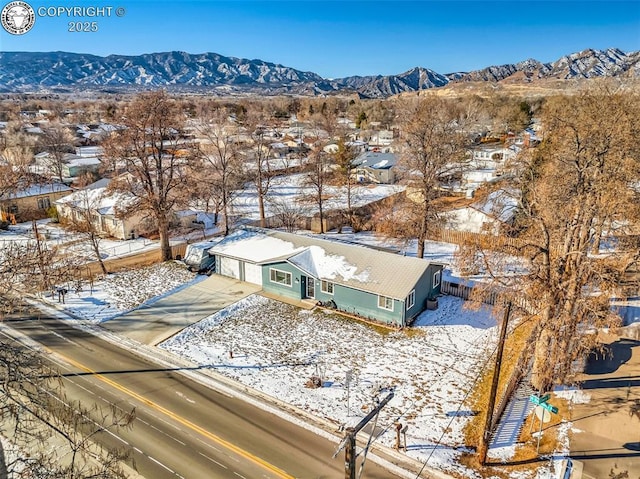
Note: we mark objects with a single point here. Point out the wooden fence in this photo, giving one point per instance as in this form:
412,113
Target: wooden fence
466,292
485,240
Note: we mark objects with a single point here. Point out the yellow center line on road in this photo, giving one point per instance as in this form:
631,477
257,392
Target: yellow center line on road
185,422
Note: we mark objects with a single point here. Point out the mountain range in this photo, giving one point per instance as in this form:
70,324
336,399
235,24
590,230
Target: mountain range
214,73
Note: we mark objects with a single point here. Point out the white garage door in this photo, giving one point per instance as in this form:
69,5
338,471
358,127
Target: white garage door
253,273
230,267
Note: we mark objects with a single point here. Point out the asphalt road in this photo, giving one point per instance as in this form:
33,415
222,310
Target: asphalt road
182,428
606,438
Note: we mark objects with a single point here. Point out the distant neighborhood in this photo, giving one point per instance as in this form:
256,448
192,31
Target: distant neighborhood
375,213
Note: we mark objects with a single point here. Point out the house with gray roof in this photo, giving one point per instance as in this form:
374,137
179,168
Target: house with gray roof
372,284
375,167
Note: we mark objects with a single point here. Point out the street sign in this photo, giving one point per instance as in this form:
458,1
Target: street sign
539,400
542,414
549,407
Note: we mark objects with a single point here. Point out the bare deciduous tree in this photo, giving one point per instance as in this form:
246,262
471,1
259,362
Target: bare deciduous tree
219,159
83,220
259,154
580,184
34,412
433,150
316,177
56,140
156,159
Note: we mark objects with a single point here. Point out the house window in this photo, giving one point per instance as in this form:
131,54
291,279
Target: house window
13,209
326,287
436,279
384,302
280,277
411,299
44,203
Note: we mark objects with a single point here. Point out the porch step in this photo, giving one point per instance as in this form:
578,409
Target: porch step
300,303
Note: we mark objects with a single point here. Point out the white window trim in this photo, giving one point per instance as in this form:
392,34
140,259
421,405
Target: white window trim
436,279
324,289
286,273
411,299
383,307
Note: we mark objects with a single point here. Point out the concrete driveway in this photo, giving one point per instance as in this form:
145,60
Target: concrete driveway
152,324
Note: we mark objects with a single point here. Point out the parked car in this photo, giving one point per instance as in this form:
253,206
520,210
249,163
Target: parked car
197,257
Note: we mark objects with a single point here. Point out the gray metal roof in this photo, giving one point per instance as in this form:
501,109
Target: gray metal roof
351,265
376,160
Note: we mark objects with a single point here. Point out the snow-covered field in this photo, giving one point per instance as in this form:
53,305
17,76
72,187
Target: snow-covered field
277,348
291,190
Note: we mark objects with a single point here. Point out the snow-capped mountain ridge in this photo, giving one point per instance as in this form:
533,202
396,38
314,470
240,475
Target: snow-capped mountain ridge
30,71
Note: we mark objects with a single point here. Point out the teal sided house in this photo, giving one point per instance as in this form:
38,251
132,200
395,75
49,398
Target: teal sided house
372,284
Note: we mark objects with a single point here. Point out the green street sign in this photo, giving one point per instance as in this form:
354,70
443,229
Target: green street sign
539,400
549,407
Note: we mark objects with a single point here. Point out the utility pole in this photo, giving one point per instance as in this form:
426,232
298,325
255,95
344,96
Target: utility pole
349,442
350,454
484,442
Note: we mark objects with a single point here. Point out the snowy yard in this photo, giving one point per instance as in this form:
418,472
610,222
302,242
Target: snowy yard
291,190
57,236
277,348
117,293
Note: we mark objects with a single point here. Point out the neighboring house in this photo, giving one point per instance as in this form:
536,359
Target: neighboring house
488,216
72,165
375,167
105,210
77,166
381,138
371,284
485,165
33,202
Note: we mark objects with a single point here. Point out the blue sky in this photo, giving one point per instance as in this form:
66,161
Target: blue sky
341,38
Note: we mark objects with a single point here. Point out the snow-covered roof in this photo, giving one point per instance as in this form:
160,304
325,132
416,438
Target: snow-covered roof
500,204
376,160
84,161
99,199
89,151
315,261
355,266
254,247
38,189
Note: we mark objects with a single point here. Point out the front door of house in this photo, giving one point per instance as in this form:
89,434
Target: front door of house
311,288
